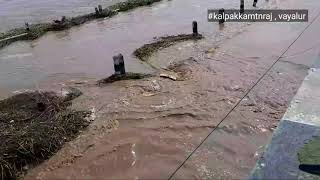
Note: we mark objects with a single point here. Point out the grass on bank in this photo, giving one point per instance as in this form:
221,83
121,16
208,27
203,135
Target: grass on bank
33,127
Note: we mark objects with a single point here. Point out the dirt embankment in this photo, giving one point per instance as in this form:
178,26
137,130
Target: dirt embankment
147,50
33,127
129,75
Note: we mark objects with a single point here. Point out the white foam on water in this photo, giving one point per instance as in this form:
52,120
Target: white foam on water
14,56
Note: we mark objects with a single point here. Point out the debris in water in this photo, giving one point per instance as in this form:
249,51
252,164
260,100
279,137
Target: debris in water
133,152
120,77
181,70
92,116
172,77
155,85
70,93
148,94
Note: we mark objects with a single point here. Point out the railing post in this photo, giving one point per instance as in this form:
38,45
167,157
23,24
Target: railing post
221,11
195,28
119,66
255,3
241,6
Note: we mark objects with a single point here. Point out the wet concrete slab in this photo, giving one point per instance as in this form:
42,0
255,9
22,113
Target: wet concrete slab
280,160
304,107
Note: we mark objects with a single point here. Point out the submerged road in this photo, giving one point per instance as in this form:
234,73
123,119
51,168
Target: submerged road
305,58
147,129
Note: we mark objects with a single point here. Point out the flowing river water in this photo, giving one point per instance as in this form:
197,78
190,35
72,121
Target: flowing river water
87,50
14,13
144,129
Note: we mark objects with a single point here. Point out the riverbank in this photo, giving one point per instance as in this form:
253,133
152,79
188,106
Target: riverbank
34,126
35,31
16,13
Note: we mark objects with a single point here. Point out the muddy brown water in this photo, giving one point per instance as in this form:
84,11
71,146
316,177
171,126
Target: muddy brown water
144,129
87,51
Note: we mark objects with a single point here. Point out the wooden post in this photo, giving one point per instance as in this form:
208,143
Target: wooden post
195,28
27,26
63,19
122,67
100,9
116,64
221,11
241,6
97,11
119,67
255,3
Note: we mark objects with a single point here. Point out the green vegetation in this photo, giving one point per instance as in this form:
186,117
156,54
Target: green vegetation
310,153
